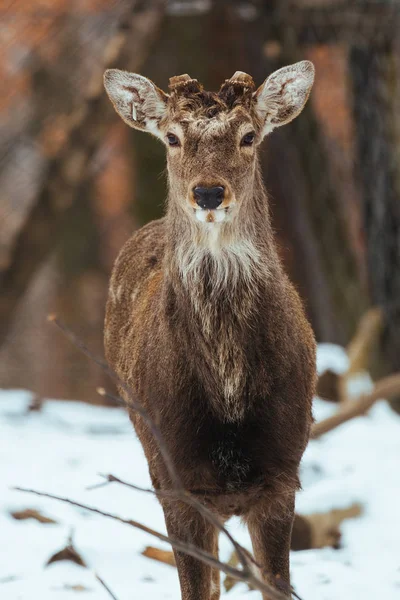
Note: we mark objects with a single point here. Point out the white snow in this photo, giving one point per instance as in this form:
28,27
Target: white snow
62,448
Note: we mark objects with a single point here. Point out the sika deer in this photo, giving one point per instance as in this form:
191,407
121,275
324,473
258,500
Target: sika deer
203,323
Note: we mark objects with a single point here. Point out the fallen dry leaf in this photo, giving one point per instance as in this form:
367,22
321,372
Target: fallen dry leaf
75,587
67,553
164,556
31,513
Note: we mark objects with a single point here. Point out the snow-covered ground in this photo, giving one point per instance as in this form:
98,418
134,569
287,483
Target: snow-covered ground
62,448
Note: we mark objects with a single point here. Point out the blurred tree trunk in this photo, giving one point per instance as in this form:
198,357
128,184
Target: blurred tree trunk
286,183
307,199
375,77
71,117
55,209
73,283
344,292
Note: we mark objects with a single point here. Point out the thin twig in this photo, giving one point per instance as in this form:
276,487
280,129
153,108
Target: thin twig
179,545
187,498
192,501
244,556
105,586
133,402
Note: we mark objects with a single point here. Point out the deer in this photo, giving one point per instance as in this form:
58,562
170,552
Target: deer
204,324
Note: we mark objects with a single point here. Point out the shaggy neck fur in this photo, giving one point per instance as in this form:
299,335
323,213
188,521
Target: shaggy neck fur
218,272
232,253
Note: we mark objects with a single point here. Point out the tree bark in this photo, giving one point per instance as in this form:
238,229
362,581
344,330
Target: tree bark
333,21
307,202
375,78
68,171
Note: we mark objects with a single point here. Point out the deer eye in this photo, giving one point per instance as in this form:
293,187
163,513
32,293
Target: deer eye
248,139
172,139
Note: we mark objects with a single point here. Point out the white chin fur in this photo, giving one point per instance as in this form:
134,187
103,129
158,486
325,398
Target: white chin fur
210,216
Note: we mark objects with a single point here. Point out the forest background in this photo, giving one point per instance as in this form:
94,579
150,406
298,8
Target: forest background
75,181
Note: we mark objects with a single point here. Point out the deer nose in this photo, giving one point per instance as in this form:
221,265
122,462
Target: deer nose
209,197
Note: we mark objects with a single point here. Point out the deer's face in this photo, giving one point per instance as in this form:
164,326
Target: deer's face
211,138
211,162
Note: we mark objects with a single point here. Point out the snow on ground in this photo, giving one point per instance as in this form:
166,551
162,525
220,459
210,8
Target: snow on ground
62,448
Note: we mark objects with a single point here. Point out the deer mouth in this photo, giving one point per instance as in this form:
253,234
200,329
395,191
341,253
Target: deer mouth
217,215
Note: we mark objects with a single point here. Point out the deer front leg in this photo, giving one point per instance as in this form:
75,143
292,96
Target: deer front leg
270,528
197,580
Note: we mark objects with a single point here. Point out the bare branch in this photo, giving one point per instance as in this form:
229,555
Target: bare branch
133,404
105,586
365,337
184,496
244,556
360,347
385,388
179,545
179,490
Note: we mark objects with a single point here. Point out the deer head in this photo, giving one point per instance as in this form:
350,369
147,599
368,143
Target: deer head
211,138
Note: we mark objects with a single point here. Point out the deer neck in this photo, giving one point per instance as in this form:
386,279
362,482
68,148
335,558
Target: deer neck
218,278
213,260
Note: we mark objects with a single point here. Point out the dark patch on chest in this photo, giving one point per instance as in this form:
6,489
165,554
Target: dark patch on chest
231,449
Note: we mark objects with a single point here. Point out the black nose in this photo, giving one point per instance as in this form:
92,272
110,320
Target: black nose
208,197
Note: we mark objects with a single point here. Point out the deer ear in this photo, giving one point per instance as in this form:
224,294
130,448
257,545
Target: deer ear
136,99
283,95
